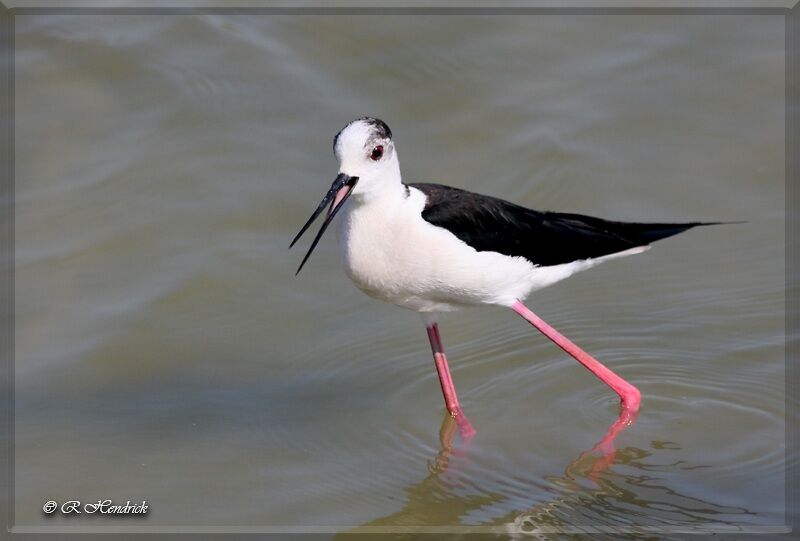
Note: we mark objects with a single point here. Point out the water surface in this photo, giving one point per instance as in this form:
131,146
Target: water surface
165,351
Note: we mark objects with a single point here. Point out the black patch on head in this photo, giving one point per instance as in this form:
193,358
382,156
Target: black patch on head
380,128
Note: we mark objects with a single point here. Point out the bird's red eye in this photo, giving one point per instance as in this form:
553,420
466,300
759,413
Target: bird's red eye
377,152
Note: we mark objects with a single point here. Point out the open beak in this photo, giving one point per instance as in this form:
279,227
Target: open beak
340,190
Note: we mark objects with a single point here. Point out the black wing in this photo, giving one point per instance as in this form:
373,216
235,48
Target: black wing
489,224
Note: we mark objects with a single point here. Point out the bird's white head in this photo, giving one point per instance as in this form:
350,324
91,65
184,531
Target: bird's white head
368,169
365,151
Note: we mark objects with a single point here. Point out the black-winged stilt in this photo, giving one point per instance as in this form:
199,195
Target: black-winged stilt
433,248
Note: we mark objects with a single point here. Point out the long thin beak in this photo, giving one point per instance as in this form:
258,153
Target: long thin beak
340,190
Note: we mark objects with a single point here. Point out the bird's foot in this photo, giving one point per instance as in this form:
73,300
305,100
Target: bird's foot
465,428
631,400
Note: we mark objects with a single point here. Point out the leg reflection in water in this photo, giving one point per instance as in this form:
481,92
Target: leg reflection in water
599,458
588,497
602,455
447,435
449,494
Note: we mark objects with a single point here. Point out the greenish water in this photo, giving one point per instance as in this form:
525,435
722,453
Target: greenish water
165,351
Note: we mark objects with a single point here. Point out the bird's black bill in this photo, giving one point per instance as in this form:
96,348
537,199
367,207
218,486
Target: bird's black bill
340,190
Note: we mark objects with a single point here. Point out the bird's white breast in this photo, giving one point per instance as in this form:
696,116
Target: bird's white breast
391,253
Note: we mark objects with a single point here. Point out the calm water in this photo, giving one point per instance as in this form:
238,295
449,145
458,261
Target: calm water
165,350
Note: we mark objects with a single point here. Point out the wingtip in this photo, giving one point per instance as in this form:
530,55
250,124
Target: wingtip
723,223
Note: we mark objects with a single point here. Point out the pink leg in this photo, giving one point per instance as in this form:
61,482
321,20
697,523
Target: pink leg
446,381
630,395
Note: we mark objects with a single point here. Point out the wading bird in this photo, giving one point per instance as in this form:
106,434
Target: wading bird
432,248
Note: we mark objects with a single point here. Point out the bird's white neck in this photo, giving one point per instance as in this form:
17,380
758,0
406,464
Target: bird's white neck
386,188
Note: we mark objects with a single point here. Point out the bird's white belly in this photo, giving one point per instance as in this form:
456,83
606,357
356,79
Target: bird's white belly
395,256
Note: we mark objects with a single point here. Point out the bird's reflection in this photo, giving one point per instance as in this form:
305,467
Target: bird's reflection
447,435
602,455
597,459
451,492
